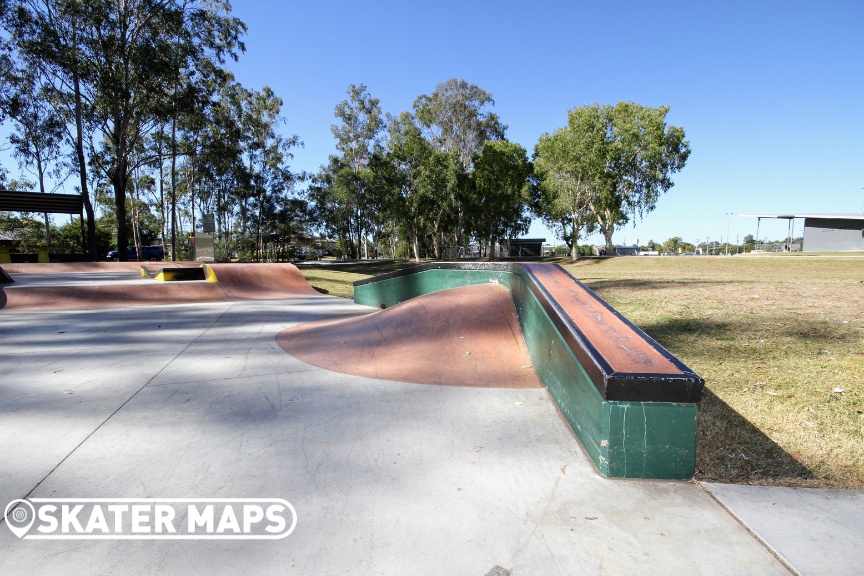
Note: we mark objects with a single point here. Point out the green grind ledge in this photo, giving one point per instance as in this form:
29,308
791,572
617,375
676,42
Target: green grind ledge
623,438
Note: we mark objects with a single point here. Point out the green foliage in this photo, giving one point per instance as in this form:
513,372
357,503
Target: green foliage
27,229
501,192
567,167
609,165
454,117
421,187
119,70
356,136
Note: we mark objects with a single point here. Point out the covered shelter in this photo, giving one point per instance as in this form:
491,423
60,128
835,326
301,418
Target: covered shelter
38,202
526,247
11,201
823,232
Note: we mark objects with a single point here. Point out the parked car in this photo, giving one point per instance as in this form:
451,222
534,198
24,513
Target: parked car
152,253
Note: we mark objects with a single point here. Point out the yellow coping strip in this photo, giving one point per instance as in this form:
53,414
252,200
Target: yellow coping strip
209,274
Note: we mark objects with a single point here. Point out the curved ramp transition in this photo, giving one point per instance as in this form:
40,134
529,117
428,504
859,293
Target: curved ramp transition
119,284
259,281
466,336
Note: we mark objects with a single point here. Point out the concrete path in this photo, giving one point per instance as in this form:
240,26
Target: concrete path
199,401
818,532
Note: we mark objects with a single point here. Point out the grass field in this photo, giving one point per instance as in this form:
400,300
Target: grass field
778,339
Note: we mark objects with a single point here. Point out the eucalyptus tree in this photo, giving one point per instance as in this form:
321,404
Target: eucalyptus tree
501,192
456,119
640,152
356,133
408,153
424,183
609,165
332,204
266,154
117,64
223,169
38,131
568,169
44,38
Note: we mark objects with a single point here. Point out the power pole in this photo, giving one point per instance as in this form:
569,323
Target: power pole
728,228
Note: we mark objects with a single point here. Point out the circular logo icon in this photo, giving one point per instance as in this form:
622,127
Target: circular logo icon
19,515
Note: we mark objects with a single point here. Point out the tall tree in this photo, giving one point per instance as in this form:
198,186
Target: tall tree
567,169
455,119
616,161
39,132
502,193
44,40
640,153
121,60
356,136
407,155
38,129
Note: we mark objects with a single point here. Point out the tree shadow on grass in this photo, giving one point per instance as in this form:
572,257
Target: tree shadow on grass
731,449
599,285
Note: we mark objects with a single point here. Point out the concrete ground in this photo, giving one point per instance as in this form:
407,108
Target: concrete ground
199,401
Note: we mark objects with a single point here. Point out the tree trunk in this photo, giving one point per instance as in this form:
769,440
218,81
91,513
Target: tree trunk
607,233
41,172
163,227
574,248
174,189
119,182
82,170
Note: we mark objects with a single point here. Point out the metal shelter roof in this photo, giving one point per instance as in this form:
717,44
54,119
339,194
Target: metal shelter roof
822,216
36,202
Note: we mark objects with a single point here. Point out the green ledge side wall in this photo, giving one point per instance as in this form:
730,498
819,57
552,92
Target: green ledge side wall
623,439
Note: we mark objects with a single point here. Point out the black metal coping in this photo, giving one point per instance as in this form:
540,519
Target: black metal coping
5,278
684,387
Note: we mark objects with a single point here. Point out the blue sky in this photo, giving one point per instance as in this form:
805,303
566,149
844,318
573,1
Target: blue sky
769,93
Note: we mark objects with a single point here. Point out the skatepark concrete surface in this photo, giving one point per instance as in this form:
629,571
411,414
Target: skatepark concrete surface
198,400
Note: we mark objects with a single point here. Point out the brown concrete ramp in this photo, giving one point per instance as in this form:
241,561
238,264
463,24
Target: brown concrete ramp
71,297
114,284
259,281
78,267
466,336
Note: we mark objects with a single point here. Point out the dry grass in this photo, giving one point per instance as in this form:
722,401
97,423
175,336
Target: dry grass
776,339
337,279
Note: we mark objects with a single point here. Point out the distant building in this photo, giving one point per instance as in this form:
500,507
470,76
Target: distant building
619,251
822,232
627,250
526,247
